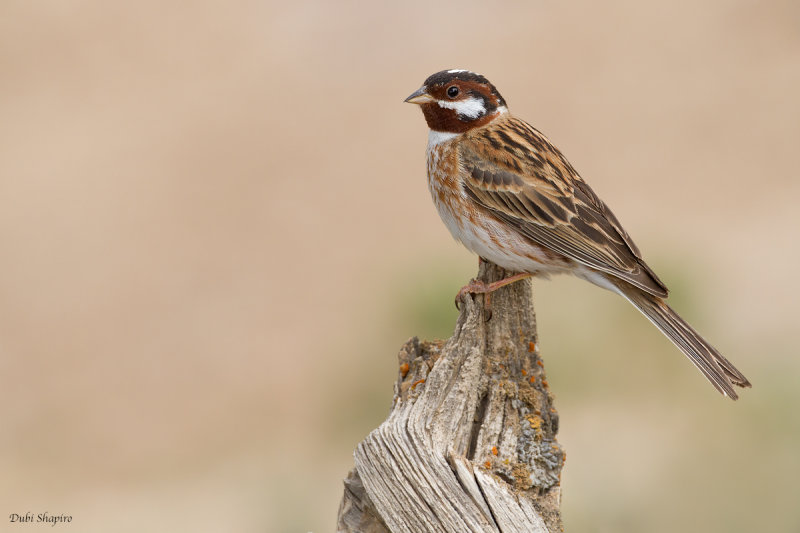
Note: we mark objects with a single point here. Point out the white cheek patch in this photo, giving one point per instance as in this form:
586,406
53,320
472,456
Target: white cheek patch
470,107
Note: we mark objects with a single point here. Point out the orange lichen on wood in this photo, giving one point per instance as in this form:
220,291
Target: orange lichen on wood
524,372
535,422
494,450
414,385
487,464
531,346
404,369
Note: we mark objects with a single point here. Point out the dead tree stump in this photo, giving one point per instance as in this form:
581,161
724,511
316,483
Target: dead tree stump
469,444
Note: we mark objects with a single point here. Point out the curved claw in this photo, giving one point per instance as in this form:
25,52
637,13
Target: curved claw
475,286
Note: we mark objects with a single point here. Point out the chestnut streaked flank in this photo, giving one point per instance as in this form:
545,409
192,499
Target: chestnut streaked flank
511,197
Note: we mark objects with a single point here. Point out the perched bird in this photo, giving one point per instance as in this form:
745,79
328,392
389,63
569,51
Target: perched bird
512,198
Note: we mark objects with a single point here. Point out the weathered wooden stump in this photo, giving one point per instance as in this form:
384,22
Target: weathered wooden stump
469,444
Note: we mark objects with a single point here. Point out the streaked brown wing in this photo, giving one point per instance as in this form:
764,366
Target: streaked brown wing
519,176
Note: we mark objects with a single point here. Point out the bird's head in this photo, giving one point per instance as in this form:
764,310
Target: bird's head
455,101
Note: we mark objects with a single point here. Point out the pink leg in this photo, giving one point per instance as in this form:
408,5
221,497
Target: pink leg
476,286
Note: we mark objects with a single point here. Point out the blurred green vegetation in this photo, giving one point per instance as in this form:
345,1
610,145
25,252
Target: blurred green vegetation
429,309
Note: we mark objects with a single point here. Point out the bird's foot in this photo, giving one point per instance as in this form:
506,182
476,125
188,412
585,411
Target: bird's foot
476,286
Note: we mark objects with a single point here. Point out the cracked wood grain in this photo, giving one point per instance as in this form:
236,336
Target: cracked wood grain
469,444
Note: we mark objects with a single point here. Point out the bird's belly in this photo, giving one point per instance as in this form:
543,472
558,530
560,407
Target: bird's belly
489,239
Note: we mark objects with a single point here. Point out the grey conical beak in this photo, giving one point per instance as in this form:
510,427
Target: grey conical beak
420,97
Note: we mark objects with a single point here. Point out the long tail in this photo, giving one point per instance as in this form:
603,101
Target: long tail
718,370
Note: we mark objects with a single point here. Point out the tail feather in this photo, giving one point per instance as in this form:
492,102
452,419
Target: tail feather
718,370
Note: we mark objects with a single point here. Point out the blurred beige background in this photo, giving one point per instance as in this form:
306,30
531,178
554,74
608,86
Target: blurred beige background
216,234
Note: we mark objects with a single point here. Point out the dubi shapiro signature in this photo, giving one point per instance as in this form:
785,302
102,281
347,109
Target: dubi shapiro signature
29,517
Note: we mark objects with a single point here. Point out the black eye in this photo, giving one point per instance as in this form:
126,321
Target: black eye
452,91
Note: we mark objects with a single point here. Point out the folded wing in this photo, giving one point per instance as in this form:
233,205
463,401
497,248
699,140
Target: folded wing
515,173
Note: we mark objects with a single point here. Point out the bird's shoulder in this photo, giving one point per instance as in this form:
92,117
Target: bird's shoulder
509,156
514,151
